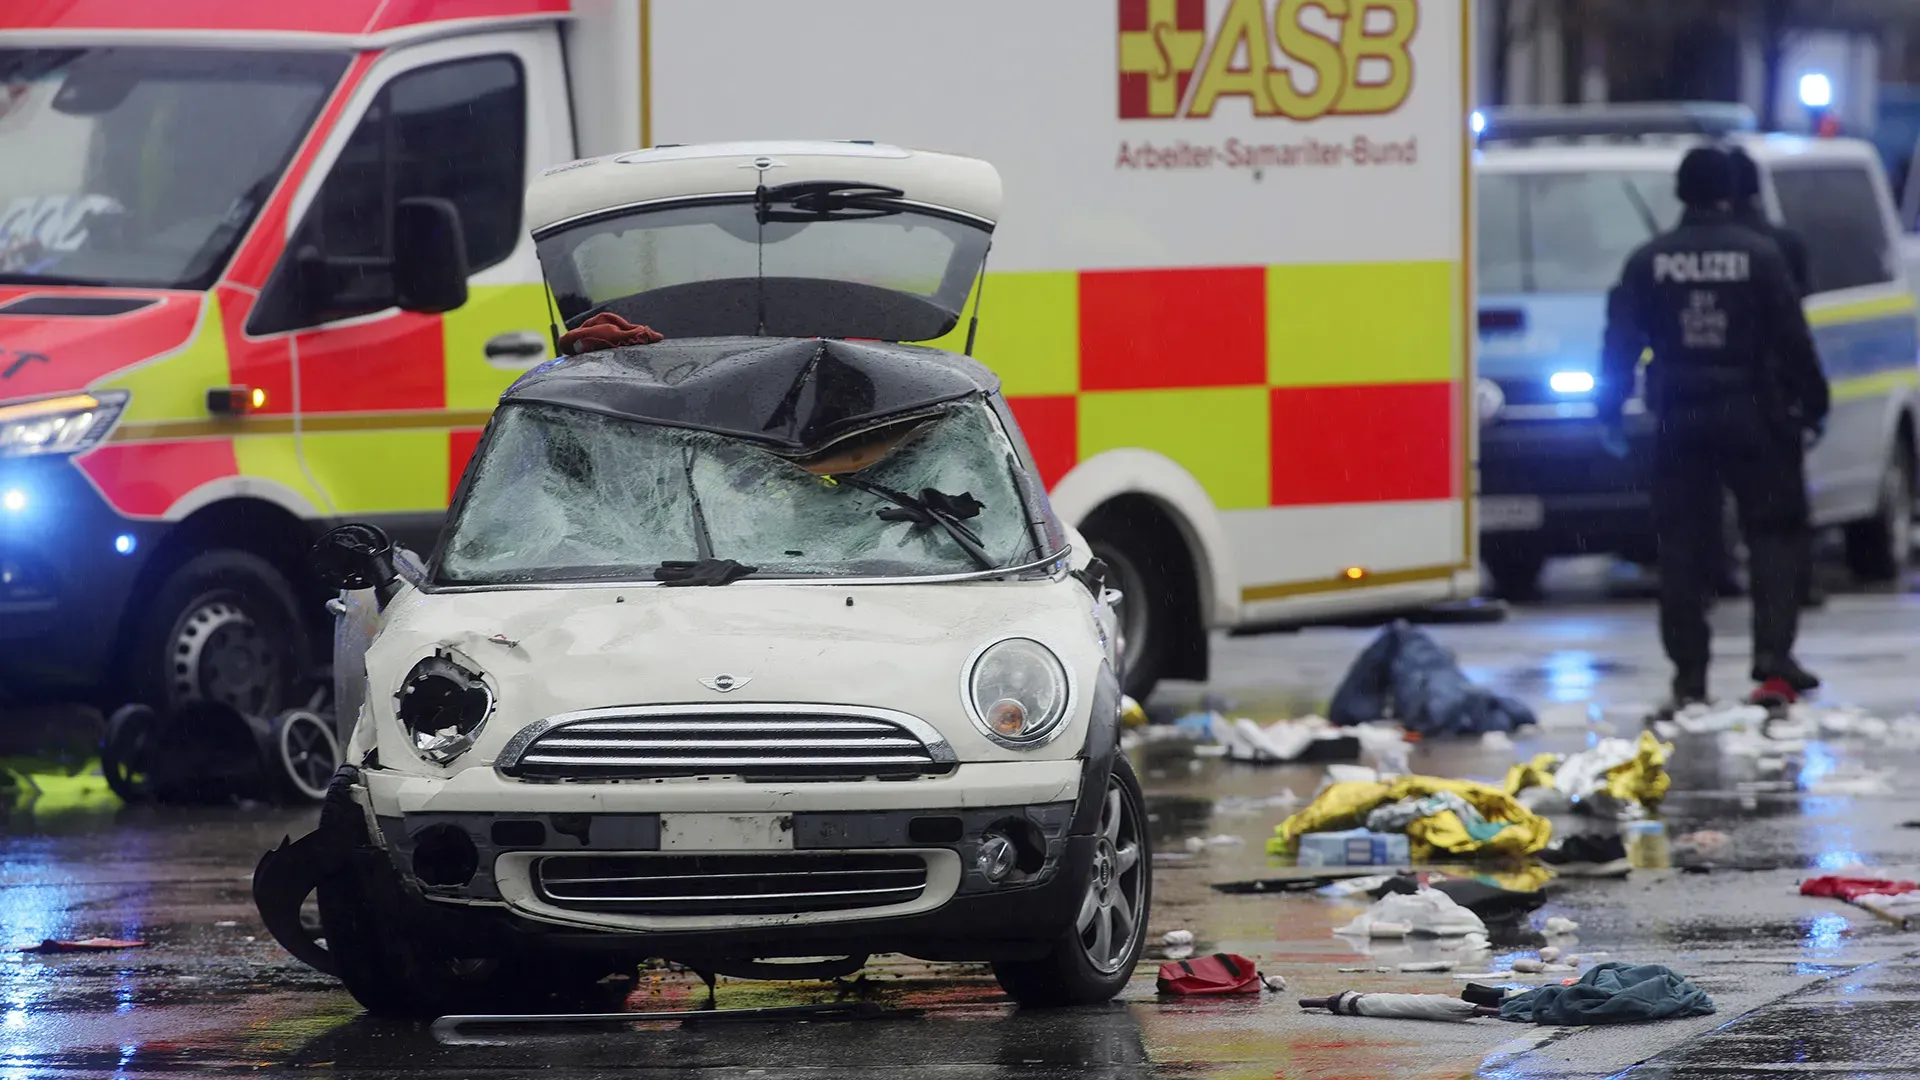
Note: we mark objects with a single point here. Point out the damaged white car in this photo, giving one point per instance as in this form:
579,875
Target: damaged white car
758,648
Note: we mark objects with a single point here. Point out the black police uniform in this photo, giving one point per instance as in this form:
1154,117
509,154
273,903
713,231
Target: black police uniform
1733,383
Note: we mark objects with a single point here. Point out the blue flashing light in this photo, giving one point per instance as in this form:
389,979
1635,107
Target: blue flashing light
1571,382
125,543
1816,90
1477,122
13,500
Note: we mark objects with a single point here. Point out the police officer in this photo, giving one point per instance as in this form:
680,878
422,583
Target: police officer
1748,211
1735,385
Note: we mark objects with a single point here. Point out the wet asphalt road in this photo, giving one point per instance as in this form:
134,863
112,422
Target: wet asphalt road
1804,987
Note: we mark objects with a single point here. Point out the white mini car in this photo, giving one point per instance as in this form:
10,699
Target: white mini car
755,644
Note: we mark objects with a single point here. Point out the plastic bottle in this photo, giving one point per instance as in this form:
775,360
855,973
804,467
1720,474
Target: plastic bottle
1647,847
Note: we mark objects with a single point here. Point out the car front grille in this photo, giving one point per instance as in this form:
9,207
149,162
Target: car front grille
729,884
754,743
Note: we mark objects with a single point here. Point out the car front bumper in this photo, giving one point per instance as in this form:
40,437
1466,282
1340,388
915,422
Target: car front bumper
1579,499
511,827
68,563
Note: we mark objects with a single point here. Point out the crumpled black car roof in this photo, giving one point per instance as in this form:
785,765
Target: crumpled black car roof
794,395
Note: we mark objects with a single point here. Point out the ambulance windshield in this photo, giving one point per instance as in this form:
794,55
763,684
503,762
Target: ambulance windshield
838,261
144,166
564,495
1567,232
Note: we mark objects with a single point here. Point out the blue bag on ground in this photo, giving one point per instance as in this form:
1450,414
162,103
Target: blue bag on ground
1612,993
1427,692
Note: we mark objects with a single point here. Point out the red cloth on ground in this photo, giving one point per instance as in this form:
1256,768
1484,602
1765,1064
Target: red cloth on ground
606,331
1848,889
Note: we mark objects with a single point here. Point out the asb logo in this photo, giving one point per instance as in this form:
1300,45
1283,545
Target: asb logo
1301,59
1160,45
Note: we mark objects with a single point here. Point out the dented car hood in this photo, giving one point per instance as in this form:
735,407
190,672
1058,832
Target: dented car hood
546,652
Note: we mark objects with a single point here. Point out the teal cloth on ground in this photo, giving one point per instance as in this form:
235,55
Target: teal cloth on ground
1611,993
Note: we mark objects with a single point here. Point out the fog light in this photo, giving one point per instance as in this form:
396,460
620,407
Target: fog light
444,855
996,858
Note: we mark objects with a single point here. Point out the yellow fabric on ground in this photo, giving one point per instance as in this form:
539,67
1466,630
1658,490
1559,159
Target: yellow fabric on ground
1346,806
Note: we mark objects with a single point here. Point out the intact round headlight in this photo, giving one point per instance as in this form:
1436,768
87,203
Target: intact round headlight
442,705
1017,692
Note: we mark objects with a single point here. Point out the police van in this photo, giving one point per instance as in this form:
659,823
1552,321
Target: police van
1565,195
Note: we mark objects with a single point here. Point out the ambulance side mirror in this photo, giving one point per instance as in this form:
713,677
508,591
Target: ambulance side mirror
429,256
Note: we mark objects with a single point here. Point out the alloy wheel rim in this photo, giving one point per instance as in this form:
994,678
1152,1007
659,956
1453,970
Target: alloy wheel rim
1110,912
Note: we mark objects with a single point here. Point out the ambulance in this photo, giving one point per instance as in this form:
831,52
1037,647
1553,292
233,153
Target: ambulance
1229,299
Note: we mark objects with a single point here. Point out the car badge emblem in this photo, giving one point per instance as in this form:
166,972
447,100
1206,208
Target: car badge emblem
724,683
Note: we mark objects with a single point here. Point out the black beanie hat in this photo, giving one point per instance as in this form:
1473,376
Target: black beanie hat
1705,177
1746,175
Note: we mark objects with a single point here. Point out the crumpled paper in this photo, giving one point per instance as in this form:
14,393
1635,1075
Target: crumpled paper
1616,778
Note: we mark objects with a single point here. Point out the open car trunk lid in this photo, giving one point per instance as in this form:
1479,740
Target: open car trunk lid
838,240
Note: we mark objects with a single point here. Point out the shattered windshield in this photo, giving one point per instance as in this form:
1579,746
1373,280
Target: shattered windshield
144,166
563,495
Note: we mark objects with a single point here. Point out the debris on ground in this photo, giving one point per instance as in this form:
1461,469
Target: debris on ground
1494,824
1398,1006
1132,715
1560,924
1589,855
1421,966
1275,983
1353,847
1405,675
1177,937
1897,901
1611,993
92,944
1220,973
1616,779
1426,913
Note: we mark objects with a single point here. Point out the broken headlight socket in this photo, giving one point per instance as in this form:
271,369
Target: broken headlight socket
442,704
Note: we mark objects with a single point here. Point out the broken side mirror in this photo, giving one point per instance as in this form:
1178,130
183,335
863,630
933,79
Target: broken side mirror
357,556
1094,576
429,256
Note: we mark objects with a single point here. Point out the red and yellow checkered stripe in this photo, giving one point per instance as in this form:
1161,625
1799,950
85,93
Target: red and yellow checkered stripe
1273,386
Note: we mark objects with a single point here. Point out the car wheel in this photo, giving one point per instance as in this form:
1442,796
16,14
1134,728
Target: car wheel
389,967
1879,548
224,627
1515,572
1094,957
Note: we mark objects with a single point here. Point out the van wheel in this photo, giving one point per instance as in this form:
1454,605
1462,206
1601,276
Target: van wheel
223,626
1095,956
1515,572
1879,548
1149,568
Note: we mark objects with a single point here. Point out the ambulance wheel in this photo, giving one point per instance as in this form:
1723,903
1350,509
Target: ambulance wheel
1879,548
1148,564
1515,572
222,626
1096,954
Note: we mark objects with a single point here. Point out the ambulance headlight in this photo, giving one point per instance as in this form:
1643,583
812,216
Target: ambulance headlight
60,425
1571,382
1017,693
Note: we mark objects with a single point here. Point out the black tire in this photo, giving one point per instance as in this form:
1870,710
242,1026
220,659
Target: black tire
388,963
1149,581
1515,572
222,626
1879,548
124,751
1069,975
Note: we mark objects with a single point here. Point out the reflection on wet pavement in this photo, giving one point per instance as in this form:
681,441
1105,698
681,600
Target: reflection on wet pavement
213,994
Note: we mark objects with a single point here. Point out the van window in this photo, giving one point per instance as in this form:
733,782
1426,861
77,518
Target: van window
455,131
1836,211
1566,232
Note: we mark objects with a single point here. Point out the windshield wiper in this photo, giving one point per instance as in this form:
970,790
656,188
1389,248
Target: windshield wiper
706,570
932,508
824,200
702,539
